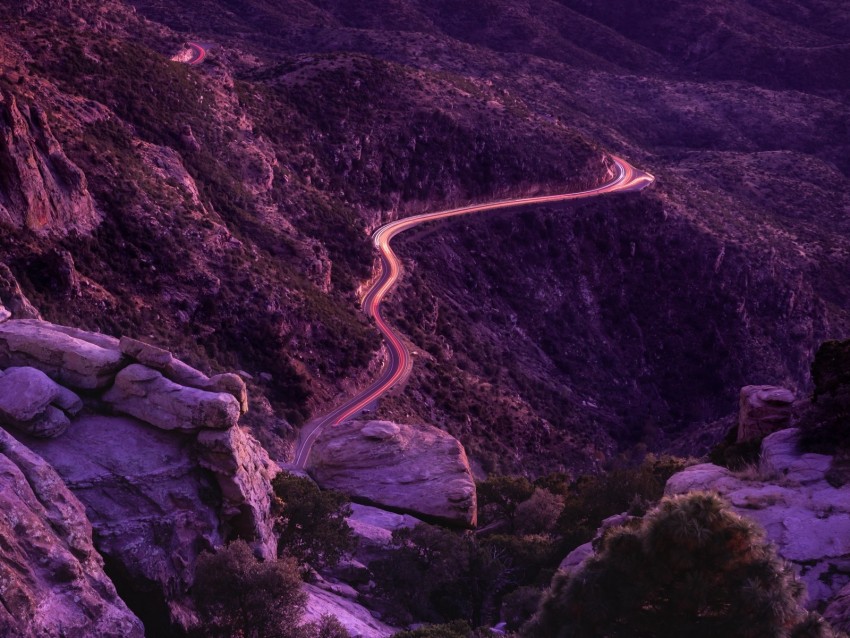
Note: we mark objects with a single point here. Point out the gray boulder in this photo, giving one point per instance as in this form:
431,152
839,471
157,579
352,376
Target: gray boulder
420,469
61,353
33,403
764,409
53,583
183,374
147,395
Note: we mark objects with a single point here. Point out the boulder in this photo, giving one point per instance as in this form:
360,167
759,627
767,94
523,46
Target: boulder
356,619
53,582
152,507
419,470
183,374
144,393
59,352
804,516
33,403
374,530
764,409
244,472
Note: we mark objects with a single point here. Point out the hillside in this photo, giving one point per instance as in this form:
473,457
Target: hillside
231,203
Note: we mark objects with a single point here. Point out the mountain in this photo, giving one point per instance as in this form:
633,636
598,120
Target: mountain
231,203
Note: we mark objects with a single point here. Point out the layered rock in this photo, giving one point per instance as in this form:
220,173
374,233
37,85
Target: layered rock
53,583
764,409
152,507
175,370
244,472
144,393
417,469
33,403
61,353
807,518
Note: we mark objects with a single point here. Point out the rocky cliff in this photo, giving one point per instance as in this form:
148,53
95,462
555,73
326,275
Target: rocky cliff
156,466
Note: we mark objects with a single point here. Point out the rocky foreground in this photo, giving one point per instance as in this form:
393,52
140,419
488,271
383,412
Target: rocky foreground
121,464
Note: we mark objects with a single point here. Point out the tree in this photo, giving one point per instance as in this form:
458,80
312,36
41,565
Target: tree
311,523
237,595
500,496
539,514
690,568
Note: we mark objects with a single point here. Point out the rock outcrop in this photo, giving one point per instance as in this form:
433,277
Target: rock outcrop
153,508
807,518
356,619
47,191
52,581
764,409
144,393
82,364
416,469
33,403
374,530
42,190
244,473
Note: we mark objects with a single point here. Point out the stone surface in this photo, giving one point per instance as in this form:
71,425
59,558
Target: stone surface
13,298
763,409
4,314
33,403
70,360
357,620
52,581
184,374
374,529
244,472
807,518
152,507
416,469
144,393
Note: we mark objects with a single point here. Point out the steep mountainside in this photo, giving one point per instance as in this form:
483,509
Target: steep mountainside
231,202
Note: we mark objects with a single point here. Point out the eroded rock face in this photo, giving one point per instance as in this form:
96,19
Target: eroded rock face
59,352
52,581
144,393
43,190
764,409
33,403
244,472
807,518
417,469
152,507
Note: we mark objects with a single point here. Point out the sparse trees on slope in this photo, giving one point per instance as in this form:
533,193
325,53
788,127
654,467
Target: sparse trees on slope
691,568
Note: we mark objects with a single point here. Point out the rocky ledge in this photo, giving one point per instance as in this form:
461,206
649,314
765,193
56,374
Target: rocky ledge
806,517
419,470
145,459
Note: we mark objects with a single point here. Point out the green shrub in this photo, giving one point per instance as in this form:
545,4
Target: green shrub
692,568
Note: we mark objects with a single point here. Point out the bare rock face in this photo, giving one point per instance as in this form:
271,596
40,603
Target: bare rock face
805,517
4,314
244,472
33,403
53,583
356,619
59,352
764,409
16,302
152,507
42,190
179,372
144,393
417,469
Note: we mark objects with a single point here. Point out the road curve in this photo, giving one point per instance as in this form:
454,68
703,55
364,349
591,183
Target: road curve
398,364
198,53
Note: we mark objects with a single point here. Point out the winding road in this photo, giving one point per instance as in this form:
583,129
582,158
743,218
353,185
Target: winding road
399,363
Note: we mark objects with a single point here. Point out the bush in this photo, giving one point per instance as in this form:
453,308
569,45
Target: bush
311,523
236,595
692,568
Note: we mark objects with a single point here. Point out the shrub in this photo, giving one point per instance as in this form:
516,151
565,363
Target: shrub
311,523
692,568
